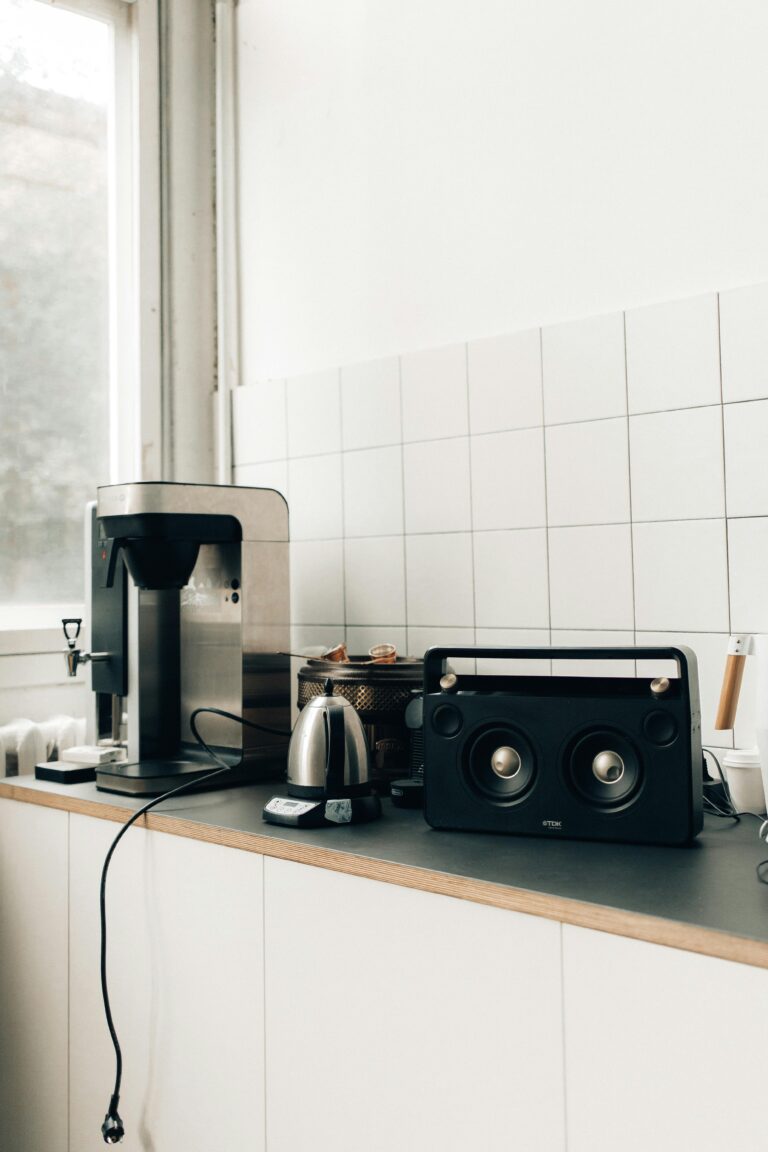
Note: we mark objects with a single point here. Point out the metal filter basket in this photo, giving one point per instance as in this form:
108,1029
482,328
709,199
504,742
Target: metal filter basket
380,693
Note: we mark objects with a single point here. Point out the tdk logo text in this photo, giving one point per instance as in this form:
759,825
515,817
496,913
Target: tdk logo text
551,823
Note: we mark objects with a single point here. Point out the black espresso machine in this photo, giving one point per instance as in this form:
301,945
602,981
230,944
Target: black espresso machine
189,599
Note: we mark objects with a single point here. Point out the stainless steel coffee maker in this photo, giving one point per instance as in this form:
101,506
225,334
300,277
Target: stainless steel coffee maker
189,608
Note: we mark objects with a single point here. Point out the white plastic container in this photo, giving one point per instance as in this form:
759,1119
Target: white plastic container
745,779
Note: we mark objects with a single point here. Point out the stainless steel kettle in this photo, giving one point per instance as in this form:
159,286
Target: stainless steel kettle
328,756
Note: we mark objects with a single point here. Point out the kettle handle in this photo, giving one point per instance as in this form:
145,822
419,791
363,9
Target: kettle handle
336,744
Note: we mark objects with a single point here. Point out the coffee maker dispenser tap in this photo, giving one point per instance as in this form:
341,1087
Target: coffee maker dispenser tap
190,607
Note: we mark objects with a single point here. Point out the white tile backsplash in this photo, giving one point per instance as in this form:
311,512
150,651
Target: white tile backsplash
508,488
439,580
434,390
420,639
583,369
373,492
746,458
673,358
748,568
566,638
681,577
438,536
370,404
273,474
590,573
676,463
744,342
317,582
315,486
314,413
374,580
588,473
513,638
511,585
505,382
259,422
437,490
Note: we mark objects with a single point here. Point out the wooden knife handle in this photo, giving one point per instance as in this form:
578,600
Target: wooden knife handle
730,691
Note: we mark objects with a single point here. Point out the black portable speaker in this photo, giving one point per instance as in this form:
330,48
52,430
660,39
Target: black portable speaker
594,758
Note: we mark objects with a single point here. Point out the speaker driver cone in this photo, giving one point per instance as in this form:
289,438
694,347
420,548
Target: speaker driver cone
500,764
603,768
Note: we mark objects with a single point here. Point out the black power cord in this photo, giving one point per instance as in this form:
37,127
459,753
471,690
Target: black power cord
113,1130
730,813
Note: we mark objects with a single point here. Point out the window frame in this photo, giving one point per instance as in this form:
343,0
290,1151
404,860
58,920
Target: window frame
135,316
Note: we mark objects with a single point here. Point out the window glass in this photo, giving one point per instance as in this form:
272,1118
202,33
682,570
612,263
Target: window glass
55,89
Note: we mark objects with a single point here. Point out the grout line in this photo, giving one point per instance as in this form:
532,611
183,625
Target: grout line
402,495
497,531
725,487
500,431
471,508
343,516
629,488
546,491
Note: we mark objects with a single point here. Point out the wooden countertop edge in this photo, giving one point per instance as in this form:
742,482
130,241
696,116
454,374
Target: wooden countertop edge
616,921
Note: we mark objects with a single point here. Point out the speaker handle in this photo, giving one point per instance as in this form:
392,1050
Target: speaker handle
685,658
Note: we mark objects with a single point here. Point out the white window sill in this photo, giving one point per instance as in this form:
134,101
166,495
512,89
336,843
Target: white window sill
27,629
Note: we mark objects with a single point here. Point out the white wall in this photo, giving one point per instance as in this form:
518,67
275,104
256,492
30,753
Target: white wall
418,173
495,348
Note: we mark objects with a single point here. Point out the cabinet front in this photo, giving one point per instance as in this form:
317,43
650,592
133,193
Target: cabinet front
185,951
33,978
402,1021
663,1048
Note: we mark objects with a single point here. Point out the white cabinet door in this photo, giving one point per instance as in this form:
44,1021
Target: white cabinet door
185,949
665,1050
400,1021
33,978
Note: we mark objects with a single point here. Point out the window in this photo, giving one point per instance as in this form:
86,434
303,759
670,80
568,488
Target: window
59,287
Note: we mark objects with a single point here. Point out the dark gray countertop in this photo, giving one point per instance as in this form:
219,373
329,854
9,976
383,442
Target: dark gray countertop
711,885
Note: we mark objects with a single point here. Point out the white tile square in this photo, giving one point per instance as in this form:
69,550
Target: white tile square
374,580
744,342
673,355
373,492
583,369
505,382
439,581
420,639
588,473
434,389
748,565
437,491
360,639
681,576
676,463
317,582
307,638
710,649
259,423
370,404
508,480
314,414
746,458
315,508
511,587
513,638
590,572
272,474
592,639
